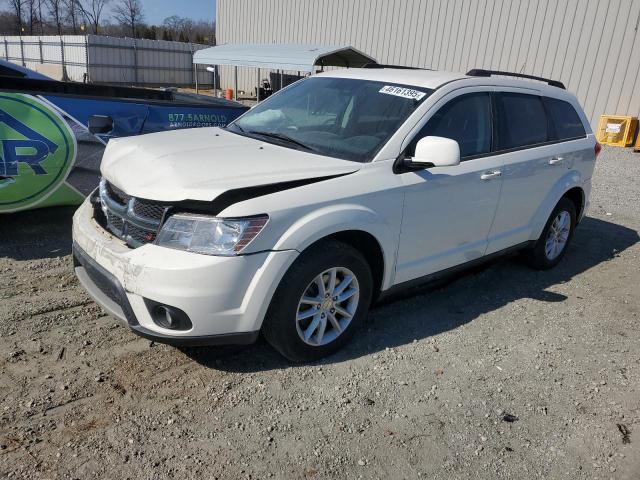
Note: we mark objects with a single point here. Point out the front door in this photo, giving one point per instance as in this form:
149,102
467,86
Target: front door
448,211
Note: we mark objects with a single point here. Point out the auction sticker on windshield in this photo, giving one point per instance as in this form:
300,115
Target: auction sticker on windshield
37,151
402,92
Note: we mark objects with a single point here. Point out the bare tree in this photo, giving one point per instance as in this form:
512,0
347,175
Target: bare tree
129,13
17,9
92,12
186,30
73,13
56,14
40,17
32,15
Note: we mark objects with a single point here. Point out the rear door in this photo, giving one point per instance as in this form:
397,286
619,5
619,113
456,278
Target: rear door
530,164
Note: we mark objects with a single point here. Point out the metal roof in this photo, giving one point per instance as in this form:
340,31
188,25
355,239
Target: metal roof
284,56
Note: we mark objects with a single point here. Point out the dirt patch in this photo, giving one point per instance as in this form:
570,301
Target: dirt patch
503,373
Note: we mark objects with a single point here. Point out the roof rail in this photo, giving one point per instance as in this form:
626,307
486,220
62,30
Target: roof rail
382,65
478,72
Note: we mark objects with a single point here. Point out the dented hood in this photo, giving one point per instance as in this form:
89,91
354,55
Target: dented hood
202,163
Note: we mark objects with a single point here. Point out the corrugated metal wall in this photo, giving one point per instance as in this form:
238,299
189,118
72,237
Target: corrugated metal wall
31,51
592,46
111,60
143,62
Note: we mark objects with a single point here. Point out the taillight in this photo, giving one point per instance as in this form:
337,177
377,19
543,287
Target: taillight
597,149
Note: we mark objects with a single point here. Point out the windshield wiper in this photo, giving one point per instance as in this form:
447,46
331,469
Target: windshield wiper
284,138
236,126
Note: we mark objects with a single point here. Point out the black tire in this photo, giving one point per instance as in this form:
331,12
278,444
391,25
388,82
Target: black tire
280,328
536,256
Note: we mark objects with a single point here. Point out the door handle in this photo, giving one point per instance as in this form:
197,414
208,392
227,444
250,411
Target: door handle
490,175
555,160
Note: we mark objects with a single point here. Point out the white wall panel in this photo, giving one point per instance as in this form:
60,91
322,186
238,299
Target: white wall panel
33,50
110,59
591,46
143,62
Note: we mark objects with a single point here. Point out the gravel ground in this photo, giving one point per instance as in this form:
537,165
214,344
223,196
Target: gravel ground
503,373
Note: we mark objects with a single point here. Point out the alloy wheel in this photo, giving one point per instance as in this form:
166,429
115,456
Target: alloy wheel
558,235
327,306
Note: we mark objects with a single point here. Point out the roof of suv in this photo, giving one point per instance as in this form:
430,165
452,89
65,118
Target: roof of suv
420,78
433,79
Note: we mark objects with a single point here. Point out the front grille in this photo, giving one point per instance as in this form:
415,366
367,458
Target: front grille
148,210
140,235
118,195
134,220
115,223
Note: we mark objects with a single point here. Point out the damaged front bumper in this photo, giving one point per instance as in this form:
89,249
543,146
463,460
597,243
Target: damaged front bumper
224,298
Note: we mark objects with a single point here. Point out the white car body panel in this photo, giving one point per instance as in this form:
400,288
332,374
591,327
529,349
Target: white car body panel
202,163
370,201
233,291
448,213
528,183
423,221
457,204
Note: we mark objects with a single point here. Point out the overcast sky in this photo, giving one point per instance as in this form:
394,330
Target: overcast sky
155,11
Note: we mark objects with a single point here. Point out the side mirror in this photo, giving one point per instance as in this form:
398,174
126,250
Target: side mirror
100,124
435,152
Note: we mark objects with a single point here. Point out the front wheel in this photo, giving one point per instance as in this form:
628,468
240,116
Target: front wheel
320,303
555,238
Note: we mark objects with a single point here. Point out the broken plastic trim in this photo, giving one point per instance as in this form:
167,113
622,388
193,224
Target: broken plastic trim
231,197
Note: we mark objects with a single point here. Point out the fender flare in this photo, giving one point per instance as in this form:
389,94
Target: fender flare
332,219
569,180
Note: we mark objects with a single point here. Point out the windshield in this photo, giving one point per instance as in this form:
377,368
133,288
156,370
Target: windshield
338,117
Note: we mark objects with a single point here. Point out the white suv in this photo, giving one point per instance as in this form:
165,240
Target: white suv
340,188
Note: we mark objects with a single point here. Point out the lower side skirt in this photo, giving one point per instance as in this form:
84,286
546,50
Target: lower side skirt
443,275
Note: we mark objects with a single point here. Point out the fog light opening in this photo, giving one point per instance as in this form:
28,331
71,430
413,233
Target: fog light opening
168,317
165,318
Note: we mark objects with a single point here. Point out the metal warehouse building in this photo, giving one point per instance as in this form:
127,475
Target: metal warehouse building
593,46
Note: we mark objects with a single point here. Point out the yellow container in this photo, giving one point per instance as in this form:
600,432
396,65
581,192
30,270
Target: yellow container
617,130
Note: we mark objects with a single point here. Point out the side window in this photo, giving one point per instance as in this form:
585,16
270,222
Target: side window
565,119
465,119
522,121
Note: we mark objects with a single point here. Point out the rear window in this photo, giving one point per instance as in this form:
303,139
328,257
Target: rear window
522,121
566,122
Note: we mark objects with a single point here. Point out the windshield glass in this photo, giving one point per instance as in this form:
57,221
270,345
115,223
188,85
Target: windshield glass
338,117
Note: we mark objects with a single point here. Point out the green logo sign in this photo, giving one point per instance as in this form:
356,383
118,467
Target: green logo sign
37,151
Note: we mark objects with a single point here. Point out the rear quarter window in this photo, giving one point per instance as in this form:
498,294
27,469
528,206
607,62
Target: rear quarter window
566,121
522,121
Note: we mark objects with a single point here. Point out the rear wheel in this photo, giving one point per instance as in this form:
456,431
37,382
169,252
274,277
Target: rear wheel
555,238
320,303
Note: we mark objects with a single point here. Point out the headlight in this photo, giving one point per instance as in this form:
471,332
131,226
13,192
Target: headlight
209,235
